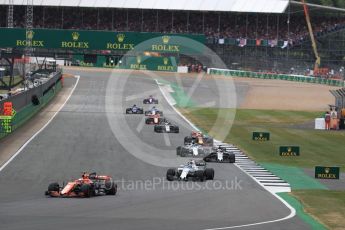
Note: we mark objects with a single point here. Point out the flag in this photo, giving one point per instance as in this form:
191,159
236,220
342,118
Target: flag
221,41
286,43
243,42
258,42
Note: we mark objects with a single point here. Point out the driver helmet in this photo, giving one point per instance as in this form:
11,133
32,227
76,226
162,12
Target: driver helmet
85,175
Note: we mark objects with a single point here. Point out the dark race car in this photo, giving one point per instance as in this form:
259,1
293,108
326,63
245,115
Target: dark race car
220,156
150,100
193,150
134,110
197,171
198,138
87,186
154,120
153,112
166,127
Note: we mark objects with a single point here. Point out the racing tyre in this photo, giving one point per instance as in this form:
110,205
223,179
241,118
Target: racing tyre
112,186
86,190
53,187
177,130
158,129
187,140
206,159
209,173
200,175
171,174
183,152
178,150
232,158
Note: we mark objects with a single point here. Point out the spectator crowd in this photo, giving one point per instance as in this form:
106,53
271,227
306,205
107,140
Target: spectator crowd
213,24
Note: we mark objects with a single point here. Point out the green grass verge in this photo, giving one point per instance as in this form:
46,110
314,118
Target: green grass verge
318,147
301,212
324,205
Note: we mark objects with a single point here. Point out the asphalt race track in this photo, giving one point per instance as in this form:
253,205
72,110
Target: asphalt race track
91,133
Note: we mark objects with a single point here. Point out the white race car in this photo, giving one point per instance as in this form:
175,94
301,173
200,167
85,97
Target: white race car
195,170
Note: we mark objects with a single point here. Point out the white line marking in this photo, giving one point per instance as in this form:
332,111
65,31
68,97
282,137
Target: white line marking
166,139
39,131
292,210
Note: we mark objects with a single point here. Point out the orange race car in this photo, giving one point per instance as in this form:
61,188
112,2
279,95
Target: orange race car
88,185
197,137
154,119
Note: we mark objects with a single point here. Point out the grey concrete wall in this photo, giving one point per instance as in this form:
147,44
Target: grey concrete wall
21,100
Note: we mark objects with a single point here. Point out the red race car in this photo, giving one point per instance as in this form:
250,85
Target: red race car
87,186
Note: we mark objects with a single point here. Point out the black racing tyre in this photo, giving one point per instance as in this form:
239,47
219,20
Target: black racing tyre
187,140
200,175
178,150
183,152
232,158
177,130
206,159
86,190
171,174
209,173
112,186
156,101
158,129
53,187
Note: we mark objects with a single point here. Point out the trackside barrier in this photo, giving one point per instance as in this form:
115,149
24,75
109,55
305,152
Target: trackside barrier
287,77
27,112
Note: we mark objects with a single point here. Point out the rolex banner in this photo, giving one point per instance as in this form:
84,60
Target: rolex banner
150,63
322,172
289,151
102,40
261,136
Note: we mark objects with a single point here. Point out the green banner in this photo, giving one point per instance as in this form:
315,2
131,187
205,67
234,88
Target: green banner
102,40
150,63
261,136
287,151
322,172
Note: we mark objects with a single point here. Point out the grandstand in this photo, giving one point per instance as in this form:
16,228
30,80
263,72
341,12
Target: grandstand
253,35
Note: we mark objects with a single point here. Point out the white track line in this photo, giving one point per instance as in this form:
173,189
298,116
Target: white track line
166,139
292,210
39,131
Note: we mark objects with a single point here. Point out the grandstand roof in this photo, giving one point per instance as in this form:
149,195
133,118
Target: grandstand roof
258,6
